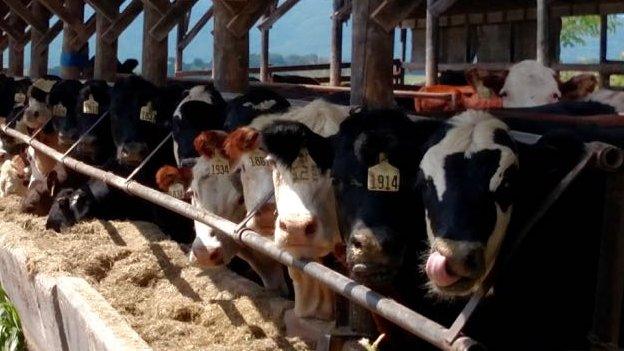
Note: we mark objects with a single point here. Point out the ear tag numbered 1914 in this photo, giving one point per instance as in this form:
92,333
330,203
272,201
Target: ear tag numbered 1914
304,169
383,176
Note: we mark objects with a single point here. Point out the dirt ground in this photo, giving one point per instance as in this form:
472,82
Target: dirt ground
147,279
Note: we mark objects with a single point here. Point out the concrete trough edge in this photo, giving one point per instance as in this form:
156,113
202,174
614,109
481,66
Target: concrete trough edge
62,312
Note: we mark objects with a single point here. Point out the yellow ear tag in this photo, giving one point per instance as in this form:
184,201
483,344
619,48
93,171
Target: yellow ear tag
90,106
257,158
383,176
148,114
218,165
59,110
44,84
176,190
304,169
20,99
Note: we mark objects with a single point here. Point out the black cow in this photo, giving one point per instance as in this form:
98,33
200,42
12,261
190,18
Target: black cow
292,79
202,108
13,98
62,101
255,101
97,146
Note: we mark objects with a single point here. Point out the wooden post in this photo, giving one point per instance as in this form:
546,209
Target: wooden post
542,32
16,48
39,53
335,70
403,45
105,66
182,29
603,78
154,63
431,44
72,59
265,74
371,69
231,53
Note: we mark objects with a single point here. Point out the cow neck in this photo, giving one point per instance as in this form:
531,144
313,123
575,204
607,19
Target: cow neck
313,299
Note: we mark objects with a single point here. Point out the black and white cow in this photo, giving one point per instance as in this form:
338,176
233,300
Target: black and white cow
254,102
13,99
63,102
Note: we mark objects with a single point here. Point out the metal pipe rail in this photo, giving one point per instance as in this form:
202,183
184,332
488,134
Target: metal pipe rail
387,308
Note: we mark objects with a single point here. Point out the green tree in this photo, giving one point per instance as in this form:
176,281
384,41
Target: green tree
576,29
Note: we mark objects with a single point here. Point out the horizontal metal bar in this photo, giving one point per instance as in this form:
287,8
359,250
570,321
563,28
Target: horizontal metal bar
387,308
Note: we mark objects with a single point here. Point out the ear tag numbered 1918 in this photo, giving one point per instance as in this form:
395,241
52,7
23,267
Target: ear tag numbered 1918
304,169
90,106
383,176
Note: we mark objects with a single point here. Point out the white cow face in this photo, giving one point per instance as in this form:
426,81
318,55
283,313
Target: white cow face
306,222
529,84
217,190
467,188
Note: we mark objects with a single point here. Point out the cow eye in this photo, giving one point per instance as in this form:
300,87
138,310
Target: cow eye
503,94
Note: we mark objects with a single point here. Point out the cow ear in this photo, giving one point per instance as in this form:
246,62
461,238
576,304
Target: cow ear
165,176
241,140
208,142
185,94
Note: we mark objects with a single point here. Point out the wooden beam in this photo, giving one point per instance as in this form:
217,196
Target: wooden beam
50,35
439,7
233,6
72,21
173,16
11,31
105,63
265,75
240,24
155,52
158,6
281,10
344,12
391,12
127,16
335,71
90,28
542,32
431,46
72,57
17,7
16,46
231,53
106,8
604,78
182,28
371,59
39,53
188,38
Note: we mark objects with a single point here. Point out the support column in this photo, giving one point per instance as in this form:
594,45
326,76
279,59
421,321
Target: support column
154,62
603,78
39,53
182,29
371,69
542,32
335,63
265,75
431,44
73,59
105,65
231,54
16,48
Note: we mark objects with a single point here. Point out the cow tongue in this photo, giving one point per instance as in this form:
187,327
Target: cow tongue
436,270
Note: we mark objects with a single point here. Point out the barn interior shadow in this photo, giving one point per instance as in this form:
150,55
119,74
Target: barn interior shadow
113,233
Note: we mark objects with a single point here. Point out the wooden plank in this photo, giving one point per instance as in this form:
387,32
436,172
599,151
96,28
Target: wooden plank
240,24
127,16
71,67
105,63
38,52
11,31
431,46
154,60
16,45
188,38
391,12
344,12
90,28
173,16
281,10
603,78
75,23
50,34
182,28
439,7
231,53
335,72
17,7
108,9
265,74
159,6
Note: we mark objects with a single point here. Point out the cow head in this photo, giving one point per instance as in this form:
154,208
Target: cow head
174,181
374,169
141,117
215,188
528,84
40,195
62,102
578,87
306,222
254,102
38,112
93,102
70,206
202,108
467,181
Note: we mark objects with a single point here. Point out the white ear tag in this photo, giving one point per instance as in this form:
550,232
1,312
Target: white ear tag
218,165
383,176
59,110
304,168
90,106
20,99
148,114
177,190
257,158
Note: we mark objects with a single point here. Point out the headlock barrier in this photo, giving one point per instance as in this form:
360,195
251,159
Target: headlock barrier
610,285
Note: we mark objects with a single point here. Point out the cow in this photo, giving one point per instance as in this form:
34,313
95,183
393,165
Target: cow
293,79
63,100
174,181
255,101
578,87
202,108
40,195
610,97
306,224
13,98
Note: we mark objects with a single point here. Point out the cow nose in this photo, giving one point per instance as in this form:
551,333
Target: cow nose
301,226
133,151
66,137
203,256
469,265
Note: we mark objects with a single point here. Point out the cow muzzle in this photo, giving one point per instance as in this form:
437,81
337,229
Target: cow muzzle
455,267
132,153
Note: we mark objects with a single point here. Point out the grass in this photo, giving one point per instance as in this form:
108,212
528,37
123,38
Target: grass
11,336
